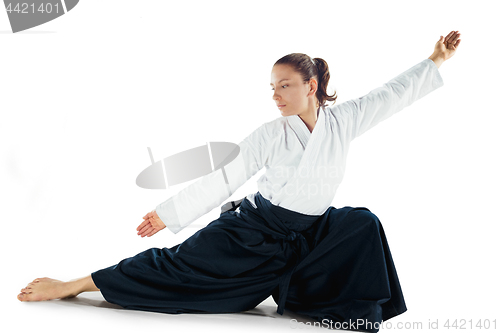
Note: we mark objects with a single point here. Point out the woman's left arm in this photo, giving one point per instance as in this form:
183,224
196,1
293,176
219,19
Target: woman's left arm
361,114
445,48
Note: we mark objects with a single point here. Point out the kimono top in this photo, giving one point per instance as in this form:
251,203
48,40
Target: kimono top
303,168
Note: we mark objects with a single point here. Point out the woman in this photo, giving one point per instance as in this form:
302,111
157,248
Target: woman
331,264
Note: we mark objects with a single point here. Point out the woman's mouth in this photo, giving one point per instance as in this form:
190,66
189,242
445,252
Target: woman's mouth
281,105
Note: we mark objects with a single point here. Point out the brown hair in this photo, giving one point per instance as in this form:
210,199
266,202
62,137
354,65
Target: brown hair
309,68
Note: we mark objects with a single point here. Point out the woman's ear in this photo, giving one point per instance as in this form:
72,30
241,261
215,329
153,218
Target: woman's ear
313,87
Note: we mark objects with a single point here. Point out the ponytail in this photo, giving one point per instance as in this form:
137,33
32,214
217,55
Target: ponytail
323,79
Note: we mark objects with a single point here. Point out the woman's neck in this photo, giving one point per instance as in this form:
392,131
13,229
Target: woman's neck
310,117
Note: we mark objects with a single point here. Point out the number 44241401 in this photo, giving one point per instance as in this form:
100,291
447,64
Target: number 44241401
26,8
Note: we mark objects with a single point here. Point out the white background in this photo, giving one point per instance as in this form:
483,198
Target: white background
83,96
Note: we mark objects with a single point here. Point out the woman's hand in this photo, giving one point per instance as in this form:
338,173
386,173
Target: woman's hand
151,225
446,47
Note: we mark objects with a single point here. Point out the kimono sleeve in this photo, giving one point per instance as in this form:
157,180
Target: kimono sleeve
211,190
363,113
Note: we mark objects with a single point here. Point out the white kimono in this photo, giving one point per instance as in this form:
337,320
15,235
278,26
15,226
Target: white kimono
303,169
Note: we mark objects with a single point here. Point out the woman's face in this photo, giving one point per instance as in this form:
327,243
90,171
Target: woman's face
291,94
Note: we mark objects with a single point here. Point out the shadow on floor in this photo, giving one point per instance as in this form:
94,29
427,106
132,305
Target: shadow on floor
265,309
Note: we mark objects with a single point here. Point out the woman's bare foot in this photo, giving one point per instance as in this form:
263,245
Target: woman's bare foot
43,289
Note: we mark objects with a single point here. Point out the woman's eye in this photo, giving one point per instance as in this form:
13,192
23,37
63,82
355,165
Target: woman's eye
286,85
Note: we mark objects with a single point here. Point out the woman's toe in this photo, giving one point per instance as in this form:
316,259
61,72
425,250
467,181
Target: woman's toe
22,297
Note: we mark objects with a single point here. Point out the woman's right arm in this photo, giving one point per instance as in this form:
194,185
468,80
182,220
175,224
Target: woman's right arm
211,191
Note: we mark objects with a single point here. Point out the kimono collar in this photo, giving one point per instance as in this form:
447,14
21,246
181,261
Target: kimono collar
301,130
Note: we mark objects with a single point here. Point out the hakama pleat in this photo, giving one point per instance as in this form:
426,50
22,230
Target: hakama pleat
334,268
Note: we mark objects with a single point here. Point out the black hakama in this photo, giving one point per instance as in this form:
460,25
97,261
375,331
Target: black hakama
334,268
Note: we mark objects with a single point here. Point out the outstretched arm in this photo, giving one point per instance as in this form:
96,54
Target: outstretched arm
211,190
445,48
360,114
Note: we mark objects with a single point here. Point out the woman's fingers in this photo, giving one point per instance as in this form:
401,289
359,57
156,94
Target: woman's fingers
448,36
152,232
147,225
151,225
453,42
448,46
452,37
145,232
142,225
148,215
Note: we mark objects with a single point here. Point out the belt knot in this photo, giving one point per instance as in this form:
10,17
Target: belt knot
291,236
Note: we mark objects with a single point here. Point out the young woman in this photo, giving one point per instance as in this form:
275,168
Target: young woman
331,264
